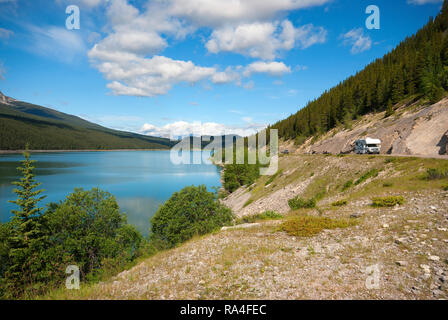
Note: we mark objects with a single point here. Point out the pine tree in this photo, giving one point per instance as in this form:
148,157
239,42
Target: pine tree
26,230
390,109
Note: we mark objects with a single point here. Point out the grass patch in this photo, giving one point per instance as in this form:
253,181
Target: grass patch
248,202
347,185
369,174
391,201
391,160
300,203
272,178
340,203
436,174
387,184
267,215
308,226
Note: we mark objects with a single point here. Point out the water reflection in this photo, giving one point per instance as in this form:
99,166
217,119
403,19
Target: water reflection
140,180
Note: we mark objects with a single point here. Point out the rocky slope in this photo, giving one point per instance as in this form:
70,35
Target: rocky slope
412,130
406,247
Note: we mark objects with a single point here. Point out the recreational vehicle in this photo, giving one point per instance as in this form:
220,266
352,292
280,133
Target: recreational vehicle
368,145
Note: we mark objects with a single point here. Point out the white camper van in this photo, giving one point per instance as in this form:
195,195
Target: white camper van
368,145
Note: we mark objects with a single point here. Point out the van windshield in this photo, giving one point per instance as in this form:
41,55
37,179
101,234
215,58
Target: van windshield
372,145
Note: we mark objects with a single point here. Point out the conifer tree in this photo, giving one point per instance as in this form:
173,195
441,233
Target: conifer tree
26,232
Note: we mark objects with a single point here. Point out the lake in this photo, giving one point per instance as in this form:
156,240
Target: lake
140,180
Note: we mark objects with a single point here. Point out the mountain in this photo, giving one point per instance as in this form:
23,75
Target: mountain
417,70
48,129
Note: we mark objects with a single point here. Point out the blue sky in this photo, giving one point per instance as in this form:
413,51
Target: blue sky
164,67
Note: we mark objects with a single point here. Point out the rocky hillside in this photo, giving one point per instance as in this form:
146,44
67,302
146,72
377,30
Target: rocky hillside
342,248
413,129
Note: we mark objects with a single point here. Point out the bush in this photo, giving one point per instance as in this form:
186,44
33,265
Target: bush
347,185
87,229
237,175
435,174
445,188
267,215
387,184
340,203
391,201
308,226
299,203
248,202
272,178
369,174
189,212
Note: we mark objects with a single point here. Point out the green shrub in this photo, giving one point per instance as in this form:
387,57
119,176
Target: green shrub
189,212
387,184
435,174
369,174
391,201
299,203
88,229
267,215
347,185
391,160
320,195
237,175
308,226
340,203
248,202
445,187
272,178
299,140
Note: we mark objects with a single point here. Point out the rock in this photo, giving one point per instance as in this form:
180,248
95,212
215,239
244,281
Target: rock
434,258
355,215
444,279
385,226
433,208
442,229
400,240
426,268
402,263
241,226
437,292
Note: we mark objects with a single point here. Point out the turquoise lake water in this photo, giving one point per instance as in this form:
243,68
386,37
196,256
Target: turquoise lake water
140,180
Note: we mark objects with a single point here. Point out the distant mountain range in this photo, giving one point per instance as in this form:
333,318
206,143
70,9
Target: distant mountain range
47,129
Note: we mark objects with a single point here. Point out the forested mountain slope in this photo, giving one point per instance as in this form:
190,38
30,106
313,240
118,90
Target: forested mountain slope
48,129
417,69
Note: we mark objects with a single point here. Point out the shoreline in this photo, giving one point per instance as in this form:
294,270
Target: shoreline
68,151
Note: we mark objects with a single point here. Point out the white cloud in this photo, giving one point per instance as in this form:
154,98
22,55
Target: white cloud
272,68
147,77
83,3
184,129
129,54
229,75
5,33
219,13
264,39
357,40
420,2
57,42
2,71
